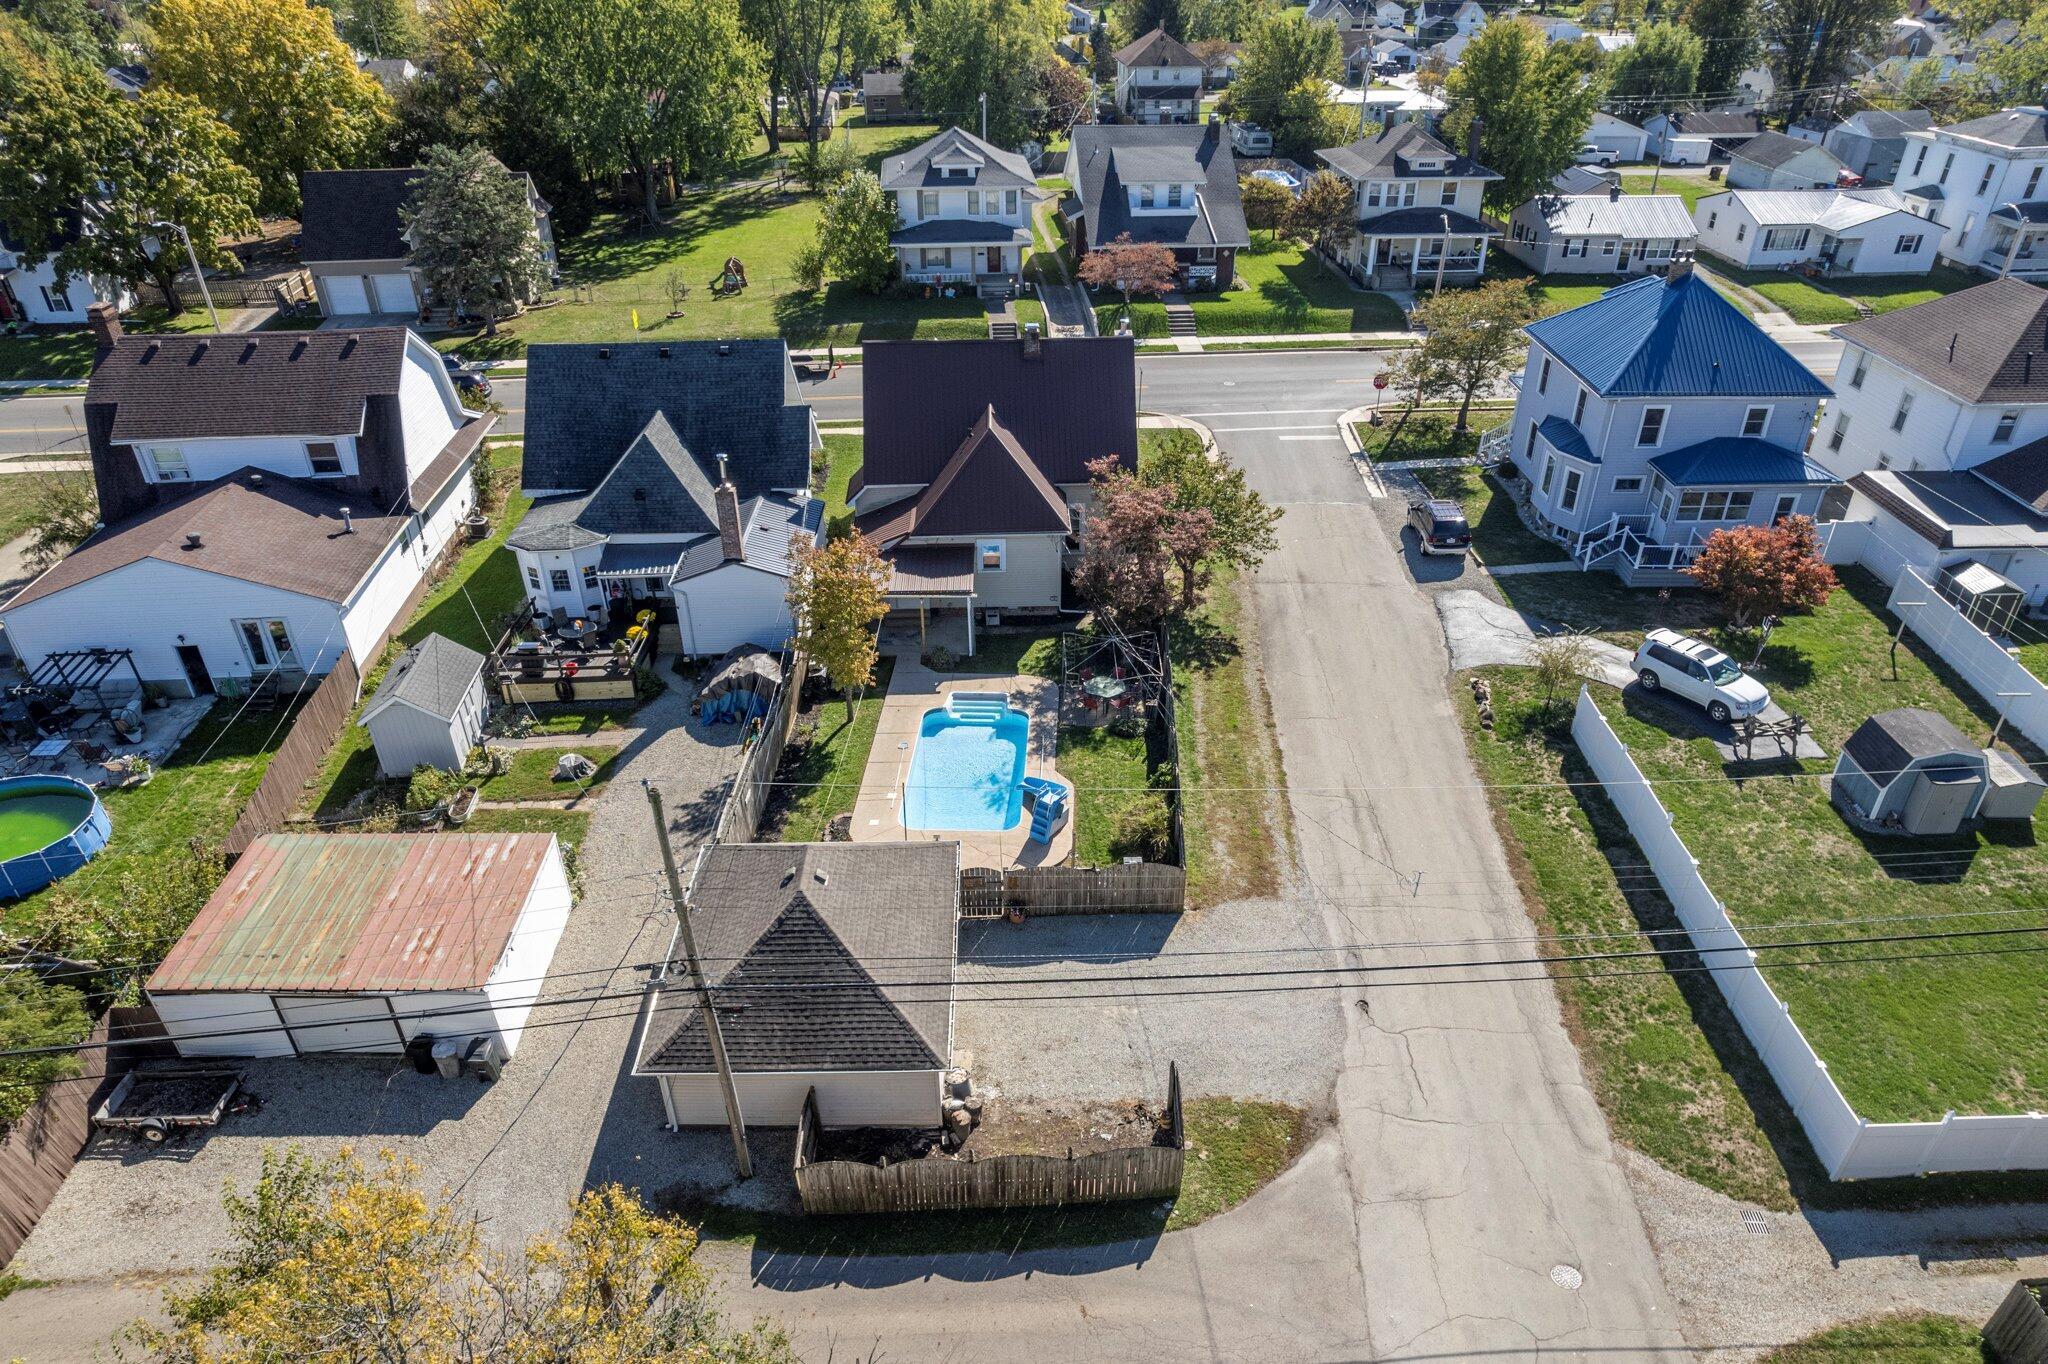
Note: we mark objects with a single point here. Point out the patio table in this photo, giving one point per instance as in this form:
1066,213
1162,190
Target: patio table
1105,688
50,751
576,631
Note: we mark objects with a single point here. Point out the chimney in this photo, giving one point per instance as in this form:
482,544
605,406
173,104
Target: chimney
348,522
1681,268
105,321
1472,138
1034,341
727,499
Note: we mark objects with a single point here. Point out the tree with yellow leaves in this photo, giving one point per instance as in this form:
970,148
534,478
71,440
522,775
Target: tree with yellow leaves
837,595
276,73
334,1262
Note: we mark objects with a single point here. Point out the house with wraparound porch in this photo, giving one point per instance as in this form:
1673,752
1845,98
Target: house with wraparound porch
1654,416
1418,209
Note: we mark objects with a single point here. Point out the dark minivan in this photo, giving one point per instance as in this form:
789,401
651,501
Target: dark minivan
1440,527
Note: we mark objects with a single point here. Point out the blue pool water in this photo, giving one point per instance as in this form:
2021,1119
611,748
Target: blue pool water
966,773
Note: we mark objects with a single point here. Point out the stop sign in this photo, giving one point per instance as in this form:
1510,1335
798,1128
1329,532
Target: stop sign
1379,381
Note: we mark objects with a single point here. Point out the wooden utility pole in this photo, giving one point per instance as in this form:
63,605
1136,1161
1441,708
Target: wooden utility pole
689,941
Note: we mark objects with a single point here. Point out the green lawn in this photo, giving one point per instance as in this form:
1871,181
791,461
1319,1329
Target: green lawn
1910,1338
1820,302
1012,653
1280,290
532,774
1498,535
1405,435
1112,782
582,717
66,352
1690,188
1235,1147
1554,293
19,494
826,759
842,457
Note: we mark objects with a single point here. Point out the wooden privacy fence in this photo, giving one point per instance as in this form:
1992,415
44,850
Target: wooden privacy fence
1021,1181
754,783
1127,888
2018,1330
298,758
43,1144
1168,738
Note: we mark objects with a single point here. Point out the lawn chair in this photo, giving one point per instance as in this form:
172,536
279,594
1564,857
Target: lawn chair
558,617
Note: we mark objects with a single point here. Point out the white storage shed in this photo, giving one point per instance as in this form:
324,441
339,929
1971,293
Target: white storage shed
430,708
357,943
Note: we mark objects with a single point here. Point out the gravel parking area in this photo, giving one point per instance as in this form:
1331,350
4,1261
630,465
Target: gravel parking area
565,1114
1272,1044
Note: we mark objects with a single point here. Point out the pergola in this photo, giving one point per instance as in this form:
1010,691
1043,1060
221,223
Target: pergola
68,672
924,576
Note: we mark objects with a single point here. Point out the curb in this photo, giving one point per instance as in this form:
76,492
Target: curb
1346,427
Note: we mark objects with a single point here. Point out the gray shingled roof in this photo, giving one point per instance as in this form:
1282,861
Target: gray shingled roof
1890,741
1890,123
658,487
868,929
1773,149
353,214
172,387
1717,123
1983,344
1216,219
1157,48
2021,474
998,169
2024,127
1391,154
434,675
585,403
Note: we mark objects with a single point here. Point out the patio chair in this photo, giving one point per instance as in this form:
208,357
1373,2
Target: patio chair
558,617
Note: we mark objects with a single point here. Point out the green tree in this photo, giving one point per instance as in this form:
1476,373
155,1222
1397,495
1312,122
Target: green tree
472,234
75,146
1533,102
380,28
1135,543
1325,214
75,30
1265,203
1309,119
838,593
331,1261
854,233
2022,64
640,87
1663,63
1065,96
1815,42
62,512
36,1014
274,71
1282,52
1952,97
1101,52
1471,341
1727,30
1226,20
1241,523
809,44
970,48
1146,15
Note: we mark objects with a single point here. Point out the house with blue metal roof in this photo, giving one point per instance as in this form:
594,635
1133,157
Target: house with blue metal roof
1654,416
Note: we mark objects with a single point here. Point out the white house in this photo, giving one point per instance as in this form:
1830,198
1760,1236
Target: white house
1771,160
32,290
1981,183
1418,209
1846,232
1602,233
352,239
1655,415
1357,16
1393,103
1158,80
1690,138
1561,30
271,502
872,926
1623,140
1437,21
963,211
357,943
671,478
1943,385
429,709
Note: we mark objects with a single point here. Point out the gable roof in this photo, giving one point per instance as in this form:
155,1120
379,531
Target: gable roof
585,403
989,486
1075,401
1653,216
995,167
770,528
1983,344
868,928
1890,741
1391,154
2021,474
1216,218
658,486
353,214
1836,210
173,387
363,912
2023,128
881,83
1773,149
1889,123
434,675
1156,48
1671,337
1716,122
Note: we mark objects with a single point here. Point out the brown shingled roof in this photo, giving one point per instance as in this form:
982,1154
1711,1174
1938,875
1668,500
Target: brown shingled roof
210,386
989,486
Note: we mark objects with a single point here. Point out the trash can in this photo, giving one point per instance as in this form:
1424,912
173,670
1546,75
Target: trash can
486,1057
448,1058
419,1050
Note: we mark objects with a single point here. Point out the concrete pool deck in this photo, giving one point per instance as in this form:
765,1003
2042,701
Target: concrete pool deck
915,689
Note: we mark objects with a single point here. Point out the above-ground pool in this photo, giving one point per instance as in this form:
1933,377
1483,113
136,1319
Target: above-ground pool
968,770
49,828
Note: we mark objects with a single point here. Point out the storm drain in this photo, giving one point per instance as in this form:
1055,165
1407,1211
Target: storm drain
1564,1276
1755,1223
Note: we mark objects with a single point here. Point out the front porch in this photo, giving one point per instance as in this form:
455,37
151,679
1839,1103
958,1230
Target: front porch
1418,261
2017,248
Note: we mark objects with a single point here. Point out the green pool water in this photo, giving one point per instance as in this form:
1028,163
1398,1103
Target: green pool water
29,823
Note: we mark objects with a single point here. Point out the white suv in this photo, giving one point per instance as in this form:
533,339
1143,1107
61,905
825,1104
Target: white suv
1701,674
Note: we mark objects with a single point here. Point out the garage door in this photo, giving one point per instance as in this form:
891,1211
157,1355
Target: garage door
345,294
350,1023
394,293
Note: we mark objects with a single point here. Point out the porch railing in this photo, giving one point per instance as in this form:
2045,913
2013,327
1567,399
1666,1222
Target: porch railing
1493,442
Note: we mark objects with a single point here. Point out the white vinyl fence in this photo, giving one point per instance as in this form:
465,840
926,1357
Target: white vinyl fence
1849,1146
1992,673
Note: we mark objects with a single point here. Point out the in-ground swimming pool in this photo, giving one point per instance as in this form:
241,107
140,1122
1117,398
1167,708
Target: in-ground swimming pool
967,772
49,827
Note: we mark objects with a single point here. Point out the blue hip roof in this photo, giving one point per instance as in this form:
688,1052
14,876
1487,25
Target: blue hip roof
1566,439
1727,460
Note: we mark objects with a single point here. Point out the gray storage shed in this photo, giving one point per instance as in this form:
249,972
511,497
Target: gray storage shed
430,709
1912,772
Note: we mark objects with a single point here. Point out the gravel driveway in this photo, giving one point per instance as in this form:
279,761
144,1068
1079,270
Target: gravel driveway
564,1115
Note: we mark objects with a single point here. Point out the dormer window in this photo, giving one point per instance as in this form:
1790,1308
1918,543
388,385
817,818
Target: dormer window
167,462
325,457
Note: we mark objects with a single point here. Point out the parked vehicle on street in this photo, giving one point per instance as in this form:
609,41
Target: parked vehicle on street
468,379
1702,674
1440,526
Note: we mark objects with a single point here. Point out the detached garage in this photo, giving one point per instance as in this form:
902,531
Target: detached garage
356,943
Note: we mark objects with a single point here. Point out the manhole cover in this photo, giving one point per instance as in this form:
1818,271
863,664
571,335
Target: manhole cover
1564,1276
1755,1223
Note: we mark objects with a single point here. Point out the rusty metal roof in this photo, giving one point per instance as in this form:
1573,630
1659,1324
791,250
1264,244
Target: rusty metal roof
359,912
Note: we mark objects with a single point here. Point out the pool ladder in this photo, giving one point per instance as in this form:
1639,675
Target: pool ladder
977,707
